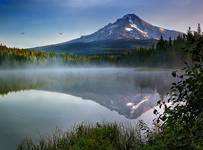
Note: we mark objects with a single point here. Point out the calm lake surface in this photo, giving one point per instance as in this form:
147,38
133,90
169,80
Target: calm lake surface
35,102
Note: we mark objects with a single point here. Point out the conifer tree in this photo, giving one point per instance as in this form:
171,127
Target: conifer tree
199,29
189,35
170,42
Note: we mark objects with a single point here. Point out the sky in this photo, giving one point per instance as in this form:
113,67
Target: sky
31,23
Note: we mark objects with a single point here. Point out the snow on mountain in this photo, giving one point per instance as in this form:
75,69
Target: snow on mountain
129,27
127,32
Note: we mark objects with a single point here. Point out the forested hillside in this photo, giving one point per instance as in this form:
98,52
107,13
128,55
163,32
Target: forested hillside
166,53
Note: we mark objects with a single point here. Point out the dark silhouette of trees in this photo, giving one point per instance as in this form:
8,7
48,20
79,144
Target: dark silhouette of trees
182,119
199,29
166,53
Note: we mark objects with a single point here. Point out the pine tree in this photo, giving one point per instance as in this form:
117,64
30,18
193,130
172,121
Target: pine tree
190,35
199,29
170,42
189,31
161,39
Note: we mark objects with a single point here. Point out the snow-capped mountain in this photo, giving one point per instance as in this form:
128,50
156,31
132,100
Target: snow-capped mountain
130,31
129,27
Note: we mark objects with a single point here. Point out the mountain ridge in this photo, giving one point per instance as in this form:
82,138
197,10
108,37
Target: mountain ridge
128,28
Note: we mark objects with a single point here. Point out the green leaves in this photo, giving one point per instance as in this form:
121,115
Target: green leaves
181,128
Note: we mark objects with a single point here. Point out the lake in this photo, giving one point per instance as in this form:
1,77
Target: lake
35,102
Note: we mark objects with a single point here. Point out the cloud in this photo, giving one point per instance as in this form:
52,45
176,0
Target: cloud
86,3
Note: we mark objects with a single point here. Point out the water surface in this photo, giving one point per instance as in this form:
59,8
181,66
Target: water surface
36,101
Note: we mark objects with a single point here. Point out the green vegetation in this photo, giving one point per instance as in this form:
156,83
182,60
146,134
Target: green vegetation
165,54
19,58
180,127
13,57
89,137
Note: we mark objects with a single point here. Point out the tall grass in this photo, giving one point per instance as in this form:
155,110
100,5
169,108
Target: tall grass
91,137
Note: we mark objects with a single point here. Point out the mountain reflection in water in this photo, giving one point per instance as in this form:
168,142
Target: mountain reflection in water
128,91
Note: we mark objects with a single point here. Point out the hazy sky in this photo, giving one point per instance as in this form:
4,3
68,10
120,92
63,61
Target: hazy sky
29,23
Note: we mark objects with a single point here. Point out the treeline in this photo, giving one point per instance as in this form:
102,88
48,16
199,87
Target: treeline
15,57
166,53
12,57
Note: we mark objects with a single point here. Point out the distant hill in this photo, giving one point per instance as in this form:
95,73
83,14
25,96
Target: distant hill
99,47
130,31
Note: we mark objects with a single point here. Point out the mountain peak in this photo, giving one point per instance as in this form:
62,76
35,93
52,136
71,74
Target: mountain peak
131,16
129,27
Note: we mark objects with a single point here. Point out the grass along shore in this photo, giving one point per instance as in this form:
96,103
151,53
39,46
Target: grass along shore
93,137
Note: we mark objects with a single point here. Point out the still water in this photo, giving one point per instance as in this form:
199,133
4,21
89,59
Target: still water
35,102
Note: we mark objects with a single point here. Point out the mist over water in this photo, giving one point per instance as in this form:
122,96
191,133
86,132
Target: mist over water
37,100
106,86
